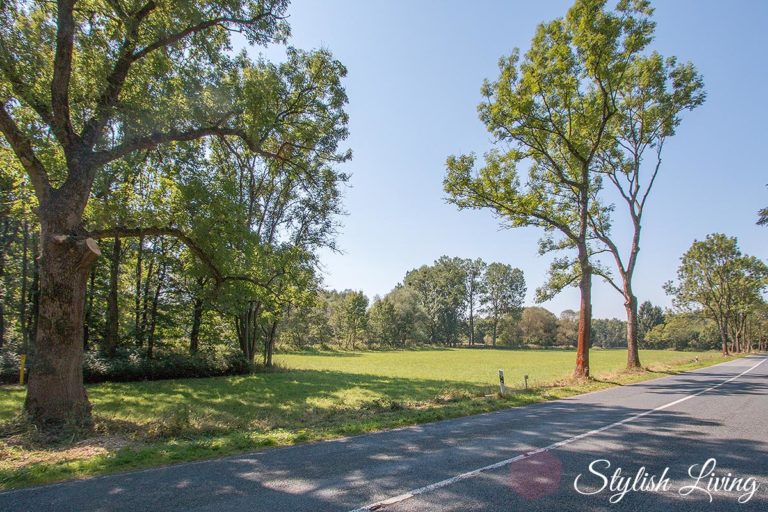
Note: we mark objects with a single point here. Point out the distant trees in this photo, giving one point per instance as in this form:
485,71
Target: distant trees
684,331
538,326
503,293
648,317
725,284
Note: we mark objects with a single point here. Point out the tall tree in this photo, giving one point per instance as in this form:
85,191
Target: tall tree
714,275
648,317
74,84
649,101
473,272
503,293
553,108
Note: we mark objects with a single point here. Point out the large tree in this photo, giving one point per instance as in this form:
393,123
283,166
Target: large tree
84,85
553,109
649,101
715,276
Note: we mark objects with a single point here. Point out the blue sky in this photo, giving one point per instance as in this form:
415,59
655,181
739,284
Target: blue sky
415,70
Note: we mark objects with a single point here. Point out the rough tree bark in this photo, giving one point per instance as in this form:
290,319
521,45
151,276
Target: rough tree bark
585,317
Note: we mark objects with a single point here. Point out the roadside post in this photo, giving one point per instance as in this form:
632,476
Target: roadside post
526,381
501,382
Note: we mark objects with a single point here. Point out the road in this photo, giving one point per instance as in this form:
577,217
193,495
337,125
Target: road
517,459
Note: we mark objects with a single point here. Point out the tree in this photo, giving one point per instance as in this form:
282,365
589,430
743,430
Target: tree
648,317
99,63
355,316
568,328
715,276
649,101
441,291
554,108
473,272
503,293
538,326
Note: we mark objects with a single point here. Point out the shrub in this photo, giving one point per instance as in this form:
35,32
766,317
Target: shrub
132,365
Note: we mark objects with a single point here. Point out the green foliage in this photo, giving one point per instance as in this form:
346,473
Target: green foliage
538,326
715,277
648,317
684,331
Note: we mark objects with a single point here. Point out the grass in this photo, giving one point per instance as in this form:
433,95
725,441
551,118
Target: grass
314,397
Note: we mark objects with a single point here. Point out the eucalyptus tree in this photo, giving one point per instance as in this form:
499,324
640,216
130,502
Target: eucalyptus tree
84,85
552,108
503,293
649,102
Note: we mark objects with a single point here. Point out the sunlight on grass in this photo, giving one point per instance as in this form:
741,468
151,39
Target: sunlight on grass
318,396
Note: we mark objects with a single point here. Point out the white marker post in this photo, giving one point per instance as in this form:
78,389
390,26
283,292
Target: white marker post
501,382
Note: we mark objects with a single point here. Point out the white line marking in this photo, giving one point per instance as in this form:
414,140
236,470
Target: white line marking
469,474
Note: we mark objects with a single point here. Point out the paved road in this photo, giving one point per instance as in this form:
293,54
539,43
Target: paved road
527,459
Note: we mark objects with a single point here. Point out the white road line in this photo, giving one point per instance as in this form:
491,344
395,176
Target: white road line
469,474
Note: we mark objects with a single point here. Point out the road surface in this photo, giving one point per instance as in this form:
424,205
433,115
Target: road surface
517,459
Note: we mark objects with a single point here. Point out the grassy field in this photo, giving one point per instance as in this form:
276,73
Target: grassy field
313,397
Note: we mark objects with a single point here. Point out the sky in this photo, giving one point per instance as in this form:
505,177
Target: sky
414,74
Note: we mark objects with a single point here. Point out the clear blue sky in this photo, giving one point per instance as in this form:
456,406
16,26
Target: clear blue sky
415,70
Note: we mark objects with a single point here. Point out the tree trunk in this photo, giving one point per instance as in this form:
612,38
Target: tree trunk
23,293
34,292
112,334
145,305
137,295
197,317
633,355
3,248
585,321
495,328
471,322
56,395
269,345
89,309
723,336
153,317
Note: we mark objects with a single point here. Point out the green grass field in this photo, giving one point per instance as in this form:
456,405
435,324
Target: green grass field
317,396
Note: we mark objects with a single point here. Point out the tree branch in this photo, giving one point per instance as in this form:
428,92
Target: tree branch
62,71
177,233
26,155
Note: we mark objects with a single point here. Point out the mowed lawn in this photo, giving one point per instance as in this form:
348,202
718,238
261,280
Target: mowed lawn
313,396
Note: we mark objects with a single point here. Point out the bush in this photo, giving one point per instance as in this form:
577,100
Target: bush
131,365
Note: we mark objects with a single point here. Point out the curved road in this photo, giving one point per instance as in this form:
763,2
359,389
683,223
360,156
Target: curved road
517,459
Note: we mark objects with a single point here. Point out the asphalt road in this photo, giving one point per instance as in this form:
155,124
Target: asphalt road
518,459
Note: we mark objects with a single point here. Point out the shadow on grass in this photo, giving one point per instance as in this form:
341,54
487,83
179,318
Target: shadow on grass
348,473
